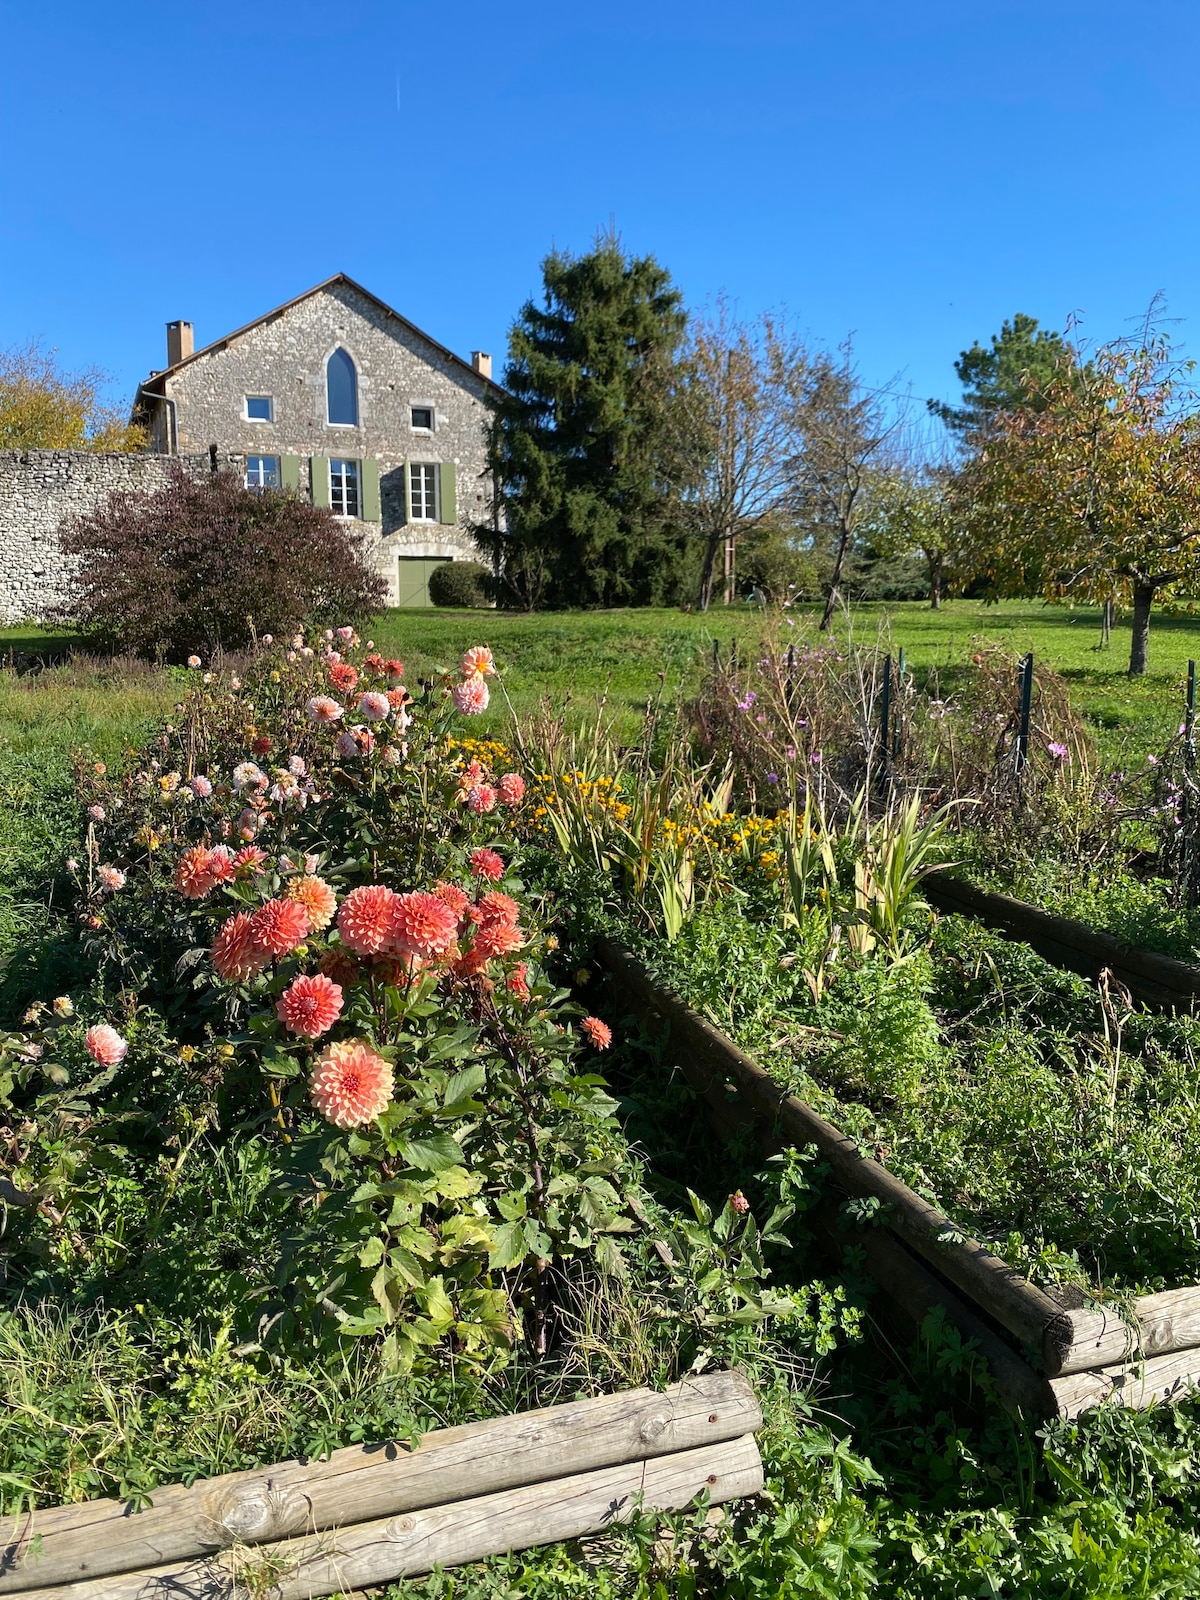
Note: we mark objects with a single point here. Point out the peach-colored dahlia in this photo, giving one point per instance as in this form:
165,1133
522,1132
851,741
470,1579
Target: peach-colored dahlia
454,897
339,965
350,1084
497,907
310,1005
322,709
192,876
343,676
471,697
236,953
478,662
249,859
511,789
317,898
280,925
422,925
375,705
494,939
487,864
365,920
221,863
394,668
482,799
597,1033
518,981
111,878
105,1045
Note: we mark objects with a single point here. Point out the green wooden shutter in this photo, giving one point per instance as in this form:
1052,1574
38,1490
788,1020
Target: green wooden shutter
448,510
404,486
318,466
289,474
370,491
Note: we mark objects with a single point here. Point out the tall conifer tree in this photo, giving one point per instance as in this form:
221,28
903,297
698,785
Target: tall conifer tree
579,439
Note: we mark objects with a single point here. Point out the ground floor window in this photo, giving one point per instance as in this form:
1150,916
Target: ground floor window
422,491
262,472
343,488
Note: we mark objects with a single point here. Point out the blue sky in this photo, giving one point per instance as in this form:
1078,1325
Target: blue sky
912,173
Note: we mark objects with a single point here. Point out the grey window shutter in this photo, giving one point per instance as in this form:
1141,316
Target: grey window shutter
370,491
406,486
318,466
289,474
448,504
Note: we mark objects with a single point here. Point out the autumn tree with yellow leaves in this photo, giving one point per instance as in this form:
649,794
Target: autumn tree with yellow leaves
42,407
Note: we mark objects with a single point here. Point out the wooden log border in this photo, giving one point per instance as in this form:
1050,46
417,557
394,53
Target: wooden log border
923,1258
87,1547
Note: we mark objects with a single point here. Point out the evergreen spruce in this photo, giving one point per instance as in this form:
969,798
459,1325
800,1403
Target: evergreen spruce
579,439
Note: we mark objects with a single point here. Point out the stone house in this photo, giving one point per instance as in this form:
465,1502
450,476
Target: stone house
337,396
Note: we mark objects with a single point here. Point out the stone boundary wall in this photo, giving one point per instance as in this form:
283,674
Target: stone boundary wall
41,489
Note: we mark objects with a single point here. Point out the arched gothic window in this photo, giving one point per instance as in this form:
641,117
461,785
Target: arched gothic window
341,388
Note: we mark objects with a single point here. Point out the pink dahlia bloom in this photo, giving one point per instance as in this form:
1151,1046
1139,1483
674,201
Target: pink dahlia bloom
317,898
511,789
482,799
249,859
97,813
322,709
350,1084
347,635
478,662
280,925
375,705
365,920
105,1045
518,981
358,741
111,877
487,864
471,697
222,863
236,953
310,1006
201,787
597,1033
422,925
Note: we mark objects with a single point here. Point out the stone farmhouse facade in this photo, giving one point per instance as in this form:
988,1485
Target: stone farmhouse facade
333,395
336,396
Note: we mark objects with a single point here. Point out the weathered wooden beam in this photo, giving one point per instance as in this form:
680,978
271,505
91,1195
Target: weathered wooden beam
1137,1384
1159,980
1062,1340
82,1543
380,1551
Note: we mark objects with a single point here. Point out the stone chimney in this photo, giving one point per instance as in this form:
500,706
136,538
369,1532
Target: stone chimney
180,342
482,362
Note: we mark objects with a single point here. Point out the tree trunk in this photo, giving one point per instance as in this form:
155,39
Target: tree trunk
704,592
1143,599
835,582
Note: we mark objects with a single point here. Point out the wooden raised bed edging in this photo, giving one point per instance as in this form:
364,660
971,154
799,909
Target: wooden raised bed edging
1158,980
922,1257
375,1513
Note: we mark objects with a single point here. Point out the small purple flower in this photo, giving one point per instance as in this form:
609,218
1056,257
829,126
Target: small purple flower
747,701
1058,751
791,753
815,758
772,777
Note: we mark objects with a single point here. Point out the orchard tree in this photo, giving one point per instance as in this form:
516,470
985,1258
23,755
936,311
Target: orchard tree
43,407
1095,493
1013,372
579,440
737,422
912,512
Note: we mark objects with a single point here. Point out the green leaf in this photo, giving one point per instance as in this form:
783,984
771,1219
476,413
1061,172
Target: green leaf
433,1153
509,1246
463,1085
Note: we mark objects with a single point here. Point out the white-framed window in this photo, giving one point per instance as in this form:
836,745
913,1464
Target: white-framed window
260,408
344,478
422,491
422,418
262,472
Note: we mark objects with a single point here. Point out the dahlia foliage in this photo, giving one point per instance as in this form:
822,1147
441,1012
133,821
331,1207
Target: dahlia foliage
318,872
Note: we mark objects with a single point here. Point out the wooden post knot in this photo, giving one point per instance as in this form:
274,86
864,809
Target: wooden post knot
651,1428
261,1511
401,1528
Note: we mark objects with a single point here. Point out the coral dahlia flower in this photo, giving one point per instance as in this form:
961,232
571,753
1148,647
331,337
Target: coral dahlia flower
193,879
482,799
511,789
394,668
365,920
112,878
280,925
597,1033
471,697
487,864
494,939
422,925
343,676
236,953
322,709
339,965
317,898
518,981
375,705
350,1084
497,907
478,662
249,859
222,863
453,896
310,1006
105,1045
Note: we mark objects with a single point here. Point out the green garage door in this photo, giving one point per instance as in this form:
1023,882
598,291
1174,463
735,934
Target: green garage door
414,579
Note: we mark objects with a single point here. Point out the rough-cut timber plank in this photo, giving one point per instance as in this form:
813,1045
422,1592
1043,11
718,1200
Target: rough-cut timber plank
83,1542
1160,980
1136,1384
1061,1339
377,1552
